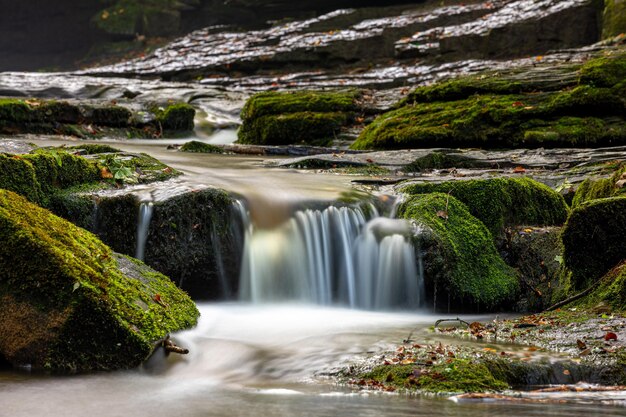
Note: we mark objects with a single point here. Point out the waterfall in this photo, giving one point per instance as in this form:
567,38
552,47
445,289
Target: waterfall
339,255
143,225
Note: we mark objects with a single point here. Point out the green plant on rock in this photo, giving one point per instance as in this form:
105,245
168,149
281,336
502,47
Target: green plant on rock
119,168
470,271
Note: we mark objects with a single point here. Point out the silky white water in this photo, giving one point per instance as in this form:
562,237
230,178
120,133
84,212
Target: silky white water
339,255
143,225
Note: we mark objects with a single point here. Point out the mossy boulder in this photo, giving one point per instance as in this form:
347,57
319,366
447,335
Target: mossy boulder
273,118
195,146
614,19
592,189
462,266
195,238
496,111
593,239
70,303
176,117
501,202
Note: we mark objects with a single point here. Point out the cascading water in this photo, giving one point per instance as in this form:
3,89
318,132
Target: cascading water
143,225
344,255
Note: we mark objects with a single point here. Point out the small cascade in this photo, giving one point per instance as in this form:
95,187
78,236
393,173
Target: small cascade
339,255
143,225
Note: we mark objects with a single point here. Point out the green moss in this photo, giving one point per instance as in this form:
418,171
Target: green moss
592,189
200,147
494,111
107,318
92,149
14,110
611,291
177,117
605,71
500,202
574,131
497,121
19,175
283,129
441,160
274,118
586,101
593,239
115,116
462,88
472,272
271,102
459,375
614,19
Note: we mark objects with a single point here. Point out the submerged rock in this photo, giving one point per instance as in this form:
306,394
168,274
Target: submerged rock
70,303
462,268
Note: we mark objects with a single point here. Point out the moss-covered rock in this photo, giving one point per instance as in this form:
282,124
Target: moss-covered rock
273,118
456,376
92,121
592,189
614,19
611,291
195,146
500,202
19,175
593,239
502,112
70,303
462,266
195,238
176,117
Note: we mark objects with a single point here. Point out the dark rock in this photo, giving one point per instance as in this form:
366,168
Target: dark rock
593,239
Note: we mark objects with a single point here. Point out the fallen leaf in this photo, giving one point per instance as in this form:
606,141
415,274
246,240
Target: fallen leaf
443,214
610,336
105,173
581,345
519,170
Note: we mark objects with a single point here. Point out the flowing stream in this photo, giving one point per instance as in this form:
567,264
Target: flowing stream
258,360
262,357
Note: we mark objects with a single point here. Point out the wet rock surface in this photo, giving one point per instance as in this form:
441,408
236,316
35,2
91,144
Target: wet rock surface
193,235
491,26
